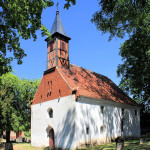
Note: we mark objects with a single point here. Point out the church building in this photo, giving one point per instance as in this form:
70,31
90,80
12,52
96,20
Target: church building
74,106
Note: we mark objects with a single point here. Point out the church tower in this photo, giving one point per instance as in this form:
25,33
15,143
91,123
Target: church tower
58,45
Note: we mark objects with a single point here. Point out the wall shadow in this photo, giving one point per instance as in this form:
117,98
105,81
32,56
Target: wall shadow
111,122
65,134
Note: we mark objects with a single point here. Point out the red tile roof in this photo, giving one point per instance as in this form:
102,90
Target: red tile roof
94,85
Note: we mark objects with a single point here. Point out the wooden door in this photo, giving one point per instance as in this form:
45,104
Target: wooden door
51,138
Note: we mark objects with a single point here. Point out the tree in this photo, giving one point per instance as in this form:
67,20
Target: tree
132,18
20,19
15,97
68,3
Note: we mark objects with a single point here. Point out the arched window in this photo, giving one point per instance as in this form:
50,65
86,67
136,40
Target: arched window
135,112
122,111
102,109
122,124
87,130
50,112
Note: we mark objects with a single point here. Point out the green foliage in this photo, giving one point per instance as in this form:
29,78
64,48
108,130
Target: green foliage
48,148
27,134
18,18
15,97
67,5
21,19
135,70
45,32
123,17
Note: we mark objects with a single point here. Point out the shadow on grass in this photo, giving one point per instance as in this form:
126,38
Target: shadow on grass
110,146
135,145
129,145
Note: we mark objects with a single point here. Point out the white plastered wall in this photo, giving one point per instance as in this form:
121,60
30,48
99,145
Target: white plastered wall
89,114
62,122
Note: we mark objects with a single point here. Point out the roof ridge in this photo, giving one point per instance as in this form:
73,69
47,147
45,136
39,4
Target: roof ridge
64,78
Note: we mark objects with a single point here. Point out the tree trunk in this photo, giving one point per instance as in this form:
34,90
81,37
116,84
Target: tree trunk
8,146
7,136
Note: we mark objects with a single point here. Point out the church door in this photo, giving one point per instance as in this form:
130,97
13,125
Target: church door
51,138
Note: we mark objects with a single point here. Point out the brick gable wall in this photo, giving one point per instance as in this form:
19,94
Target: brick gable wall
52,86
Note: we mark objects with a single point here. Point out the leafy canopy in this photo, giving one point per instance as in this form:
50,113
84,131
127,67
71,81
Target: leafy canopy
18,18
132,18
15,97
119,17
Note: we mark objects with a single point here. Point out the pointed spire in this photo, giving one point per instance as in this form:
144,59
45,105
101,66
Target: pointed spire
57,25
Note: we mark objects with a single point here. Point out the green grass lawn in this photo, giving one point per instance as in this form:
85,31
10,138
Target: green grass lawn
129,145
24,146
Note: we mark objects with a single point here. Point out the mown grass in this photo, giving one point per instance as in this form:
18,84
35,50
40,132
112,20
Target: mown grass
129,145
24,146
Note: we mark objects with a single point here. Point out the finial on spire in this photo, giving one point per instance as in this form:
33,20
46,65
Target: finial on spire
57,12
57,5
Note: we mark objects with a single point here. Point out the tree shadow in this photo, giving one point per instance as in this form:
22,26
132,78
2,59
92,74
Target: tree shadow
65,131
93,118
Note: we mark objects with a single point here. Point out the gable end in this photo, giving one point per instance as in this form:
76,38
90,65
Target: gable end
52,86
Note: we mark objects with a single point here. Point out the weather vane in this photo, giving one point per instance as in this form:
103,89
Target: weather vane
57,5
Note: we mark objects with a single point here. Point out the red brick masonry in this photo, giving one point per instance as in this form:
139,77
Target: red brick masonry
63,82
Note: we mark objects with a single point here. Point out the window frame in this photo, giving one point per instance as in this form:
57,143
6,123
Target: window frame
122,111
50,113
51,47
122,125
87,130
101,129
135,112
102,109
63,45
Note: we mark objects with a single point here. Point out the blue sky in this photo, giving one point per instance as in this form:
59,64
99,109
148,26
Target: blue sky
88,48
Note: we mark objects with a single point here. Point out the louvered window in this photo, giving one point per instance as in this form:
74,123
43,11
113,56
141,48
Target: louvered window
62,45
51,47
